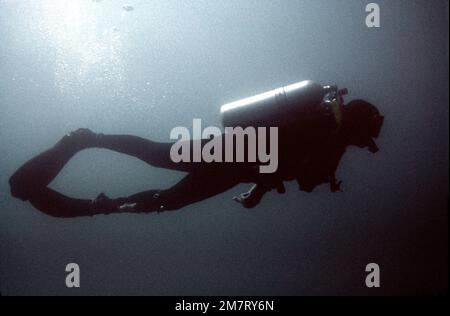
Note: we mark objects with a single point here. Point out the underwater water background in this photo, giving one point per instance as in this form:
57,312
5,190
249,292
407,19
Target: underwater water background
71,64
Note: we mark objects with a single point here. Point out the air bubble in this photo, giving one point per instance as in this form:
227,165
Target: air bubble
128,7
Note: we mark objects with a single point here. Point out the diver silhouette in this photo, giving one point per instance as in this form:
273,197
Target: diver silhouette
315,128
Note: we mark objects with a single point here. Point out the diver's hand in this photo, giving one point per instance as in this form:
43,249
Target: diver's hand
251,198
336,186
247,200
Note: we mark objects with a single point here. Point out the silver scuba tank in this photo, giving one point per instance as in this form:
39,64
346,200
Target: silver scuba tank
282,107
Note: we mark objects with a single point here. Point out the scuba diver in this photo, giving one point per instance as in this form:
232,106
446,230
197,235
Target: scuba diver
315,128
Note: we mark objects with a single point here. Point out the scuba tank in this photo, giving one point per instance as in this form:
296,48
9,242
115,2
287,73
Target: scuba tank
292,105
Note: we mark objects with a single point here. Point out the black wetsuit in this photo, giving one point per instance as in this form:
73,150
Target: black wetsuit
309,155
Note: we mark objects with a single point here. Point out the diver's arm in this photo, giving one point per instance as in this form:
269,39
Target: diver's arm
333,163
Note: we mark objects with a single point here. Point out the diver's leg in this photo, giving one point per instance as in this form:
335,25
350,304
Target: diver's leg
196,186
36,174
57,205
154,153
